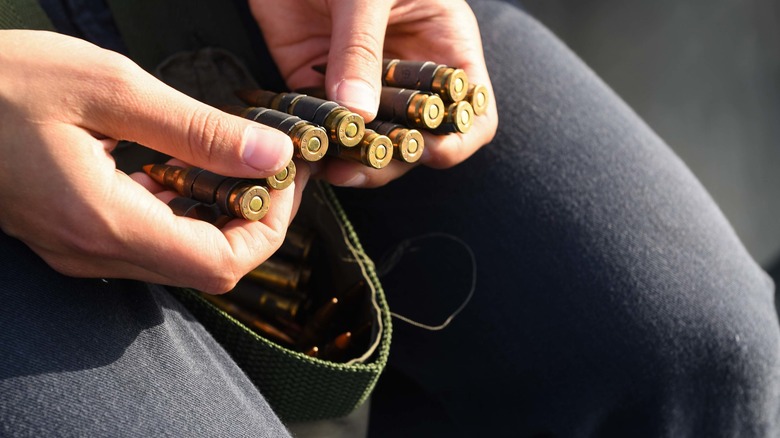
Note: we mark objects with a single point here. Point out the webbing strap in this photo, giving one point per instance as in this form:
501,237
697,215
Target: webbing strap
23,14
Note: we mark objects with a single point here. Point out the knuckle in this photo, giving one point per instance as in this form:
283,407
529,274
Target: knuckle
220,281
206,134
365,47
276,238
118,73
220,273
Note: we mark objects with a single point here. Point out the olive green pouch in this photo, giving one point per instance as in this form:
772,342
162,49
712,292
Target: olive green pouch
298,387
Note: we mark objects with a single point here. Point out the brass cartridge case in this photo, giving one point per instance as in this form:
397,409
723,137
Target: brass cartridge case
336,349
250,320
233,197
343,126
408,143
279,274
450,83
317,327
297,244
410,108
176,178
258,98
375,150
253,297
241,199
310,140
479,98
459,118
283,179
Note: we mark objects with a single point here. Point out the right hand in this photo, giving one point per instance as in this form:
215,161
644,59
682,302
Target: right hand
353,37
64,103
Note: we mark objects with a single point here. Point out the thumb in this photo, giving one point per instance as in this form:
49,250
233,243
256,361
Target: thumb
155,115
354,70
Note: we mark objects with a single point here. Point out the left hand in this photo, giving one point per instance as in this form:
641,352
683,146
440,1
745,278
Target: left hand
353,37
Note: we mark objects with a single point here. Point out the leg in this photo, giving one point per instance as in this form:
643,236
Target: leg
612,297
87,357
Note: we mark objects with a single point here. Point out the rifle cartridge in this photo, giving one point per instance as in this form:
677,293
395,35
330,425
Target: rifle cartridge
336,349
310,141
459,118
375,150
450,83
233,197
248,201
283,179
317,326
408,143
177,178
285,306
342,125
258,98
280,274
479,98
250,320
411,108
297,244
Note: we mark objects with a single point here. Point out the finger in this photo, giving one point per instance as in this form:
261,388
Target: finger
355,58
302,176
147,182
445,151
153,114
215,259
196,254
135,228
344,173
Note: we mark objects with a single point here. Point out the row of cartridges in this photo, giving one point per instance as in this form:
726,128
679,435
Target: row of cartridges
415,96
278,301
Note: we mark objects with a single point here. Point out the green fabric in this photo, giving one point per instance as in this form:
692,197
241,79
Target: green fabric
23,14
298,387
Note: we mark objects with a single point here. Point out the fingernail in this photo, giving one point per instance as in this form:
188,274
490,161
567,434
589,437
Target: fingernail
356,181
265,149
357,95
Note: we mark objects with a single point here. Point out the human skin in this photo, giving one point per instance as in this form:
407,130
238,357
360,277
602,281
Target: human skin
64,103
352,37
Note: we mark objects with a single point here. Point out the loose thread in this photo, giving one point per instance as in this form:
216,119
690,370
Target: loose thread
391,259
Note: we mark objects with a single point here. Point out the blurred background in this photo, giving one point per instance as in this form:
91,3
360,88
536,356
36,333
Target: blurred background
705,75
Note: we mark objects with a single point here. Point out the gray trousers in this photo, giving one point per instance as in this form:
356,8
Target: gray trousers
612,296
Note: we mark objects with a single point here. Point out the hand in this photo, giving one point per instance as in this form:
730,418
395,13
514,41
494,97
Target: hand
63,105
353,36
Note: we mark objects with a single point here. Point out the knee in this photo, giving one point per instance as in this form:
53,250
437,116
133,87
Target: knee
713,358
